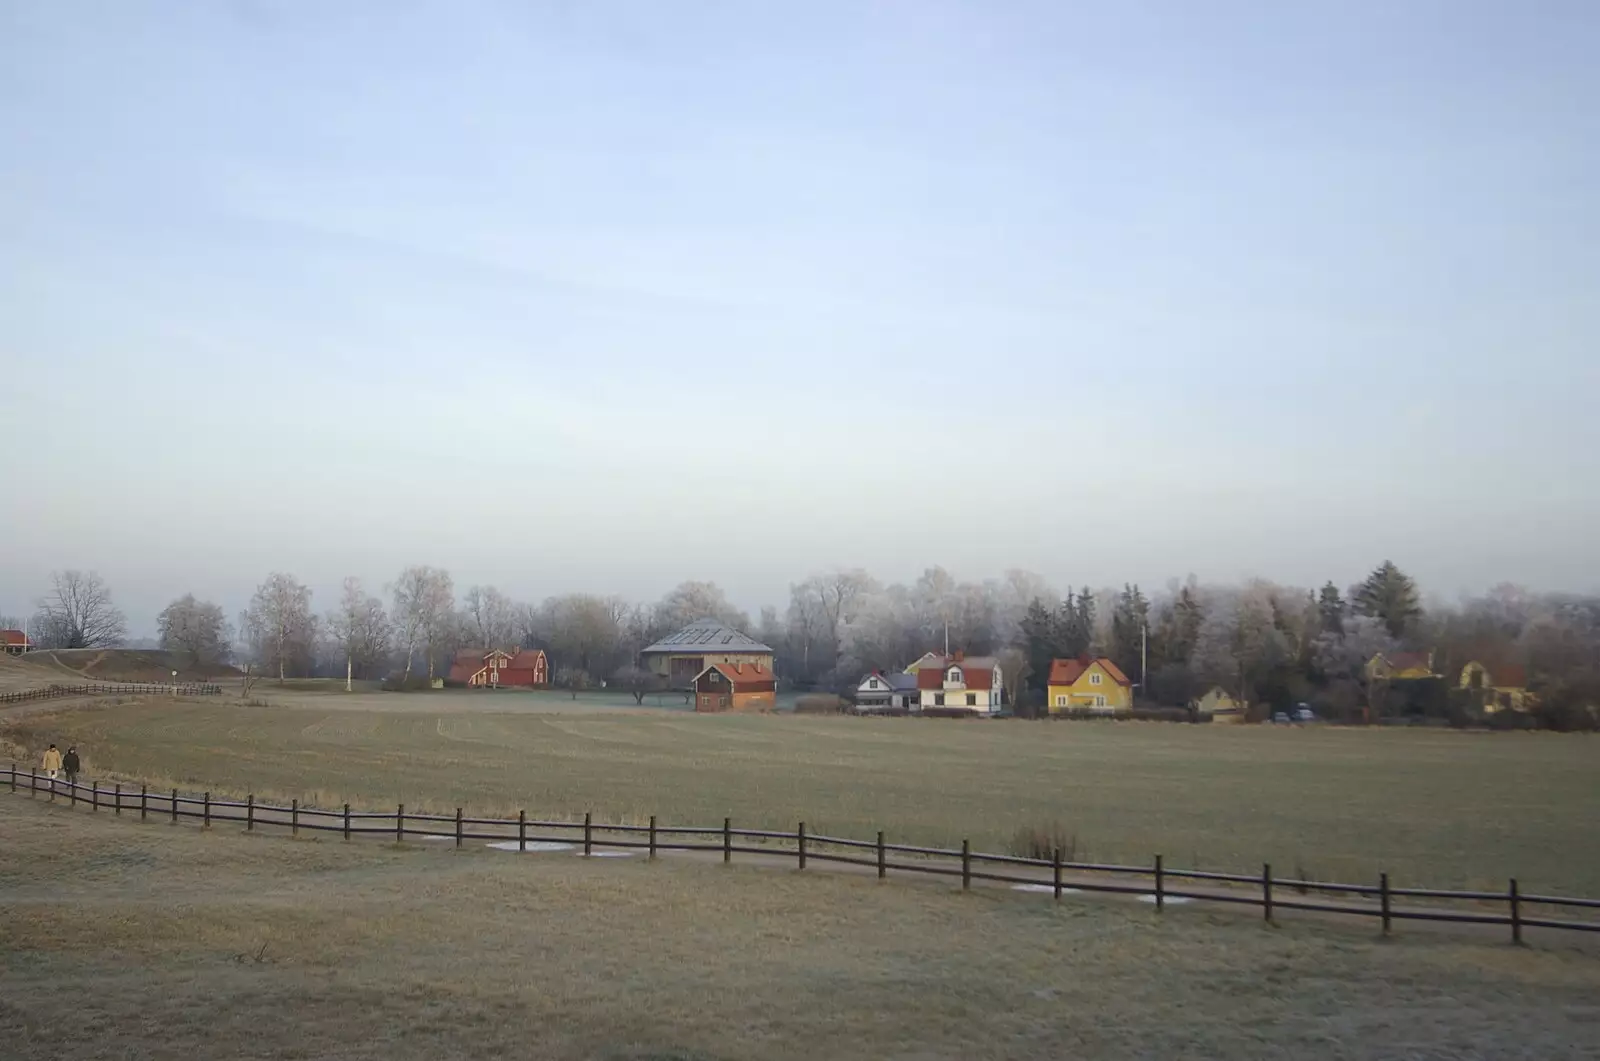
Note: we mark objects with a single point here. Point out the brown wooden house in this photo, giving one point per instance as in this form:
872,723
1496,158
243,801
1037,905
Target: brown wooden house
735,687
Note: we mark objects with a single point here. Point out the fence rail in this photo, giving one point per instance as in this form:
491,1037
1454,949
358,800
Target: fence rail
1153,882
112,688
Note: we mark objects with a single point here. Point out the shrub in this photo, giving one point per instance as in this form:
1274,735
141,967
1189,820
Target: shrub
417,683
1041,841
819,704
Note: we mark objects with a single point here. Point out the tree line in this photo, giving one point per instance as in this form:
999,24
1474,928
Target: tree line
1272,644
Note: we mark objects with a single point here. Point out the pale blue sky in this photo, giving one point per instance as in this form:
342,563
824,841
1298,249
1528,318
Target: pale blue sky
606,296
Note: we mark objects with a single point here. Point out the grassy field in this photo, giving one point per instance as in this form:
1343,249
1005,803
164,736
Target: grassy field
148,940
1431,808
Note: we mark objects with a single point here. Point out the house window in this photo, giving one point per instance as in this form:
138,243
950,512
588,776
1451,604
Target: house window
972,699
1094,679
873,684
1061,701
954,675
1099,701
938,699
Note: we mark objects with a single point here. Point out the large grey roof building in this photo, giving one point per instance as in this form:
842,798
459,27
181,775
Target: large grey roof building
683,655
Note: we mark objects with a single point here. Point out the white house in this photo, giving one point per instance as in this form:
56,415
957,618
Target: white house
887,692
959,684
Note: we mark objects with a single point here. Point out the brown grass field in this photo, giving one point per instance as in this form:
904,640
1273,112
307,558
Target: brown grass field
129,940
1433,808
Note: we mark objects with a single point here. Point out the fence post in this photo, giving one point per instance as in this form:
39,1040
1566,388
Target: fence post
1055,866
800,835
883,867
118,800
33,783
727,840
522,830
294,817
347,823
250,813
1383,899
1516,912
652,837
400,823
72,792
1161,894
966,865
206,819
1266,892
174,806
458,826
13,777
144,802
588,833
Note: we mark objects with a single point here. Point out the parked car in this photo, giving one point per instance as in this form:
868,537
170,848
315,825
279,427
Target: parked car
1303,713
1280,718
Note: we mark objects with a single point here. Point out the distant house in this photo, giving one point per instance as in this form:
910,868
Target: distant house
1505,688
1400,667
14,642
958,684
887,692
1219,705
497,669
684,656
1091,683
735,687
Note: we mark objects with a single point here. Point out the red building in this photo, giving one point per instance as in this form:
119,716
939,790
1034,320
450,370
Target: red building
14,642
735,687
526,668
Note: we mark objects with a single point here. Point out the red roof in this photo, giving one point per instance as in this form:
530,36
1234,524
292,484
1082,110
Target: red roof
1068,671
977,672
741,675
526,659
13,637
1410,660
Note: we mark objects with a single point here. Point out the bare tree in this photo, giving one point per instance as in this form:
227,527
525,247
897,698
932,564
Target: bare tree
573,679
690,601
194,630
638,682
424,611
360,629
278,626
77,613
489,617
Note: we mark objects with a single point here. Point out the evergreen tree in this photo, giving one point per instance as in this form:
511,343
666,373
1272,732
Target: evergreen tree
1072,635
1128,619
1085,618
1040,639
1186,619
1332,608
1390,595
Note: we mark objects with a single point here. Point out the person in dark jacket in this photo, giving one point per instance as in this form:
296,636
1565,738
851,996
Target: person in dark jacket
70,765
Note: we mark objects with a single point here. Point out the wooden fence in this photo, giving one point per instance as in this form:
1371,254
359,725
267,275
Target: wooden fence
1154,882
111,688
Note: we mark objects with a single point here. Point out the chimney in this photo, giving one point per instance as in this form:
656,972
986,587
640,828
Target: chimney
960,655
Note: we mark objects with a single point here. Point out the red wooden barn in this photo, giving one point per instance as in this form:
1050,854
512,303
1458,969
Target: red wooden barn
525,668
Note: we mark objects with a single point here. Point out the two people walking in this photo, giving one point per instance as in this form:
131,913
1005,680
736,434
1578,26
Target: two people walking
55,764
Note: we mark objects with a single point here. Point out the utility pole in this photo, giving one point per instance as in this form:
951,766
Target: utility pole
1144,664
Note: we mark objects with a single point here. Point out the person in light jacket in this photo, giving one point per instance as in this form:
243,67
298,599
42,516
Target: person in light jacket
52,762
70,766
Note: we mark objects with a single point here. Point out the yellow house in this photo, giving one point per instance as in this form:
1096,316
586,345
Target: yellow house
1400,666
1220,705
1505,688
1085,683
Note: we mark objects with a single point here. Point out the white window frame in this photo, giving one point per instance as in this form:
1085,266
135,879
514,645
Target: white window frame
1099,701
1094,679
953,675
1061,701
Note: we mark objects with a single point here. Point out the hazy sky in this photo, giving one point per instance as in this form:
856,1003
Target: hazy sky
610,295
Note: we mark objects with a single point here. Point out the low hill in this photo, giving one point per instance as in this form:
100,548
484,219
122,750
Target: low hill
125,665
